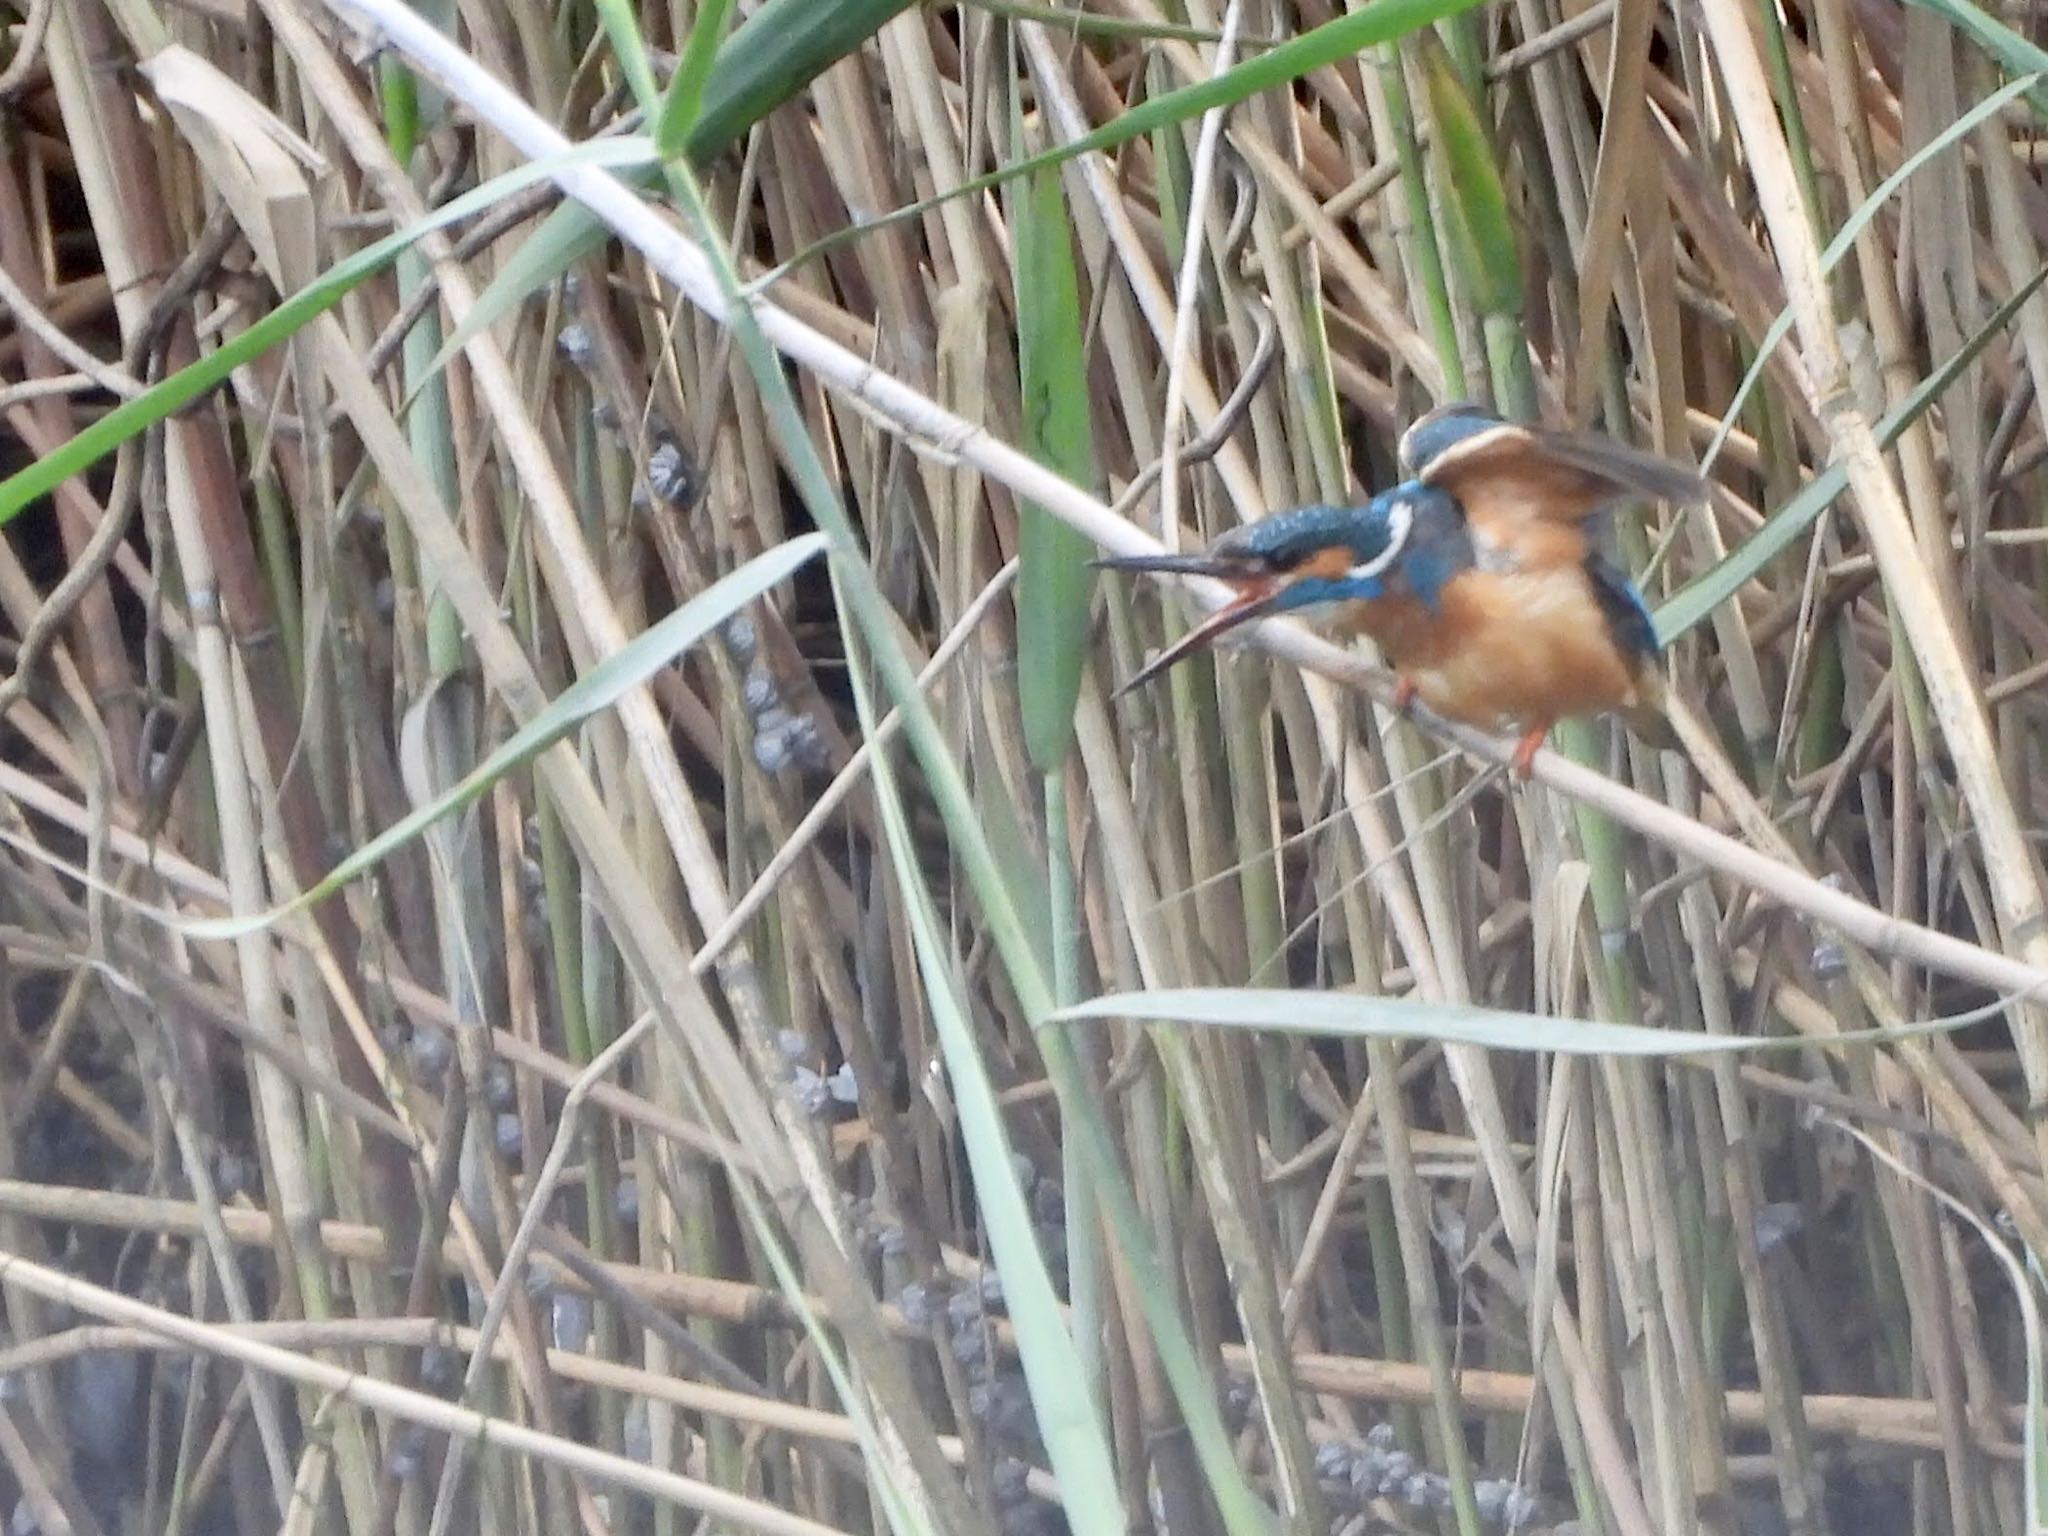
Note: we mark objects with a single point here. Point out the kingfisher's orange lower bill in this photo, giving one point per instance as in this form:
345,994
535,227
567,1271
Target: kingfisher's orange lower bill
1255,593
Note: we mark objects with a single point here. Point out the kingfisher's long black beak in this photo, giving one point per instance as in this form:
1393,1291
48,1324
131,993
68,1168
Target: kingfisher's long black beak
1256,590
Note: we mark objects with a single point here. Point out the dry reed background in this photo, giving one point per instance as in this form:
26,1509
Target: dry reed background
774,1266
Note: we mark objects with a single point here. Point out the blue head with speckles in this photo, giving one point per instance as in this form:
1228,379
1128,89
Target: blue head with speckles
1411,539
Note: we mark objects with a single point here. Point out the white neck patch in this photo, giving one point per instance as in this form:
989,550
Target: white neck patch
1400,518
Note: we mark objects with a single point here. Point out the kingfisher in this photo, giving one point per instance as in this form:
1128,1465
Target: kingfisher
1478,576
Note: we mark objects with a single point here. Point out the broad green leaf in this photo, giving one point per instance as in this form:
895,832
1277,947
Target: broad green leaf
1482,230
1054,578
684,103
600,688
401,103
103,436
777,51
1354,1015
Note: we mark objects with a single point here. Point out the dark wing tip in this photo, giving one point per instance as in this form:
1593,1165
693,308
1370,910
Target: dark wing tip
1630,471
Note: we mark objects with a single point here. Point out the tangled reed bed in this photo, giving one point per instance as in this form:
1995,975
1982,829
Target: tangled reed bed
674,1128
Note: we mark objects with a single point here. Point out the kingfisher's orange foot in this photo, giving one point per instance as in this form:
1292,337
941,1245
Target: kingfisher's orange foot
1404,694
1524,760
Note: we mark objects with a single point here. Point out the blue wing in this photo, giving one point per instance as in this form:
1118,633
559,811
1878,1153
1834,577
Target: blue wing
1622,605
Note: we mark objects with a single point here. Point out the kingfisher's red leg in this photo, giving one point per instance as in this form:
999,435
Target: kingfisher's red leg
1524,760
1404,694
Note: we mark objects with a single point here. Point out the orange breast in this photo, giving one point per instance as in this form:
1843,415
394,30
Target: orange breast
1504,649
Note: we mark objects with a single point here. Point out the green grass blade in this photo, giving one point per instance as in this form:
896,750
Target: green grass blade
1353,1015
1998,40
622,27
684,103
1705,593
1076,1440
103,436
600,688
1481,227
777,51
562,239
1053,579
1418,234
401,101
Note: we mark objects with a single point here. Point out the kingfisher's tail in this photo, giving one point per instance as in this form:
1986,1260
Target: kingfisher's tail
1646,717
